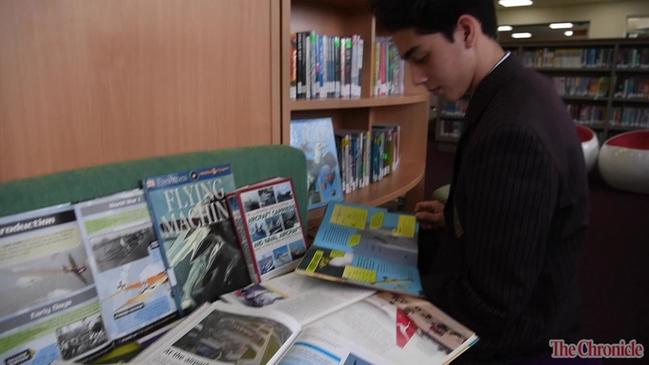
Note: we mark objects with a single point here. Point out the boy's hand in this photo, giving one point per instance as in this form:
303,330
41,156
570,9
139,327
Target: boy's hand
430,214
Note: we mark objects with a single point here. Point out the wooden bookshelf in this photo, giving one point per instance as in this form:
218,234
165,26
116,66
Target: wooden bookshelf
409,111
366,102
612,70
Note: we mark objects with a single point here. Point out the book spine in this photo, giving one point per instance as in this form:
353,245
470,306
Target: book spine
348,68
236,213
301,63
337,67
308,67
293,67
354,70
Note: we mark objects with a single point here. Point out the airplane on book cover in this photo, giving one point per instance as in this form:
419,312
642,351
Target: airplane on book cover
147,287
72,268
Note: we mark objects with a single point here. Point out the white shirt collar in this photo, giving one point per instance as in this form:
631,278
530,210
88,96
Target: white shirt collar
501,61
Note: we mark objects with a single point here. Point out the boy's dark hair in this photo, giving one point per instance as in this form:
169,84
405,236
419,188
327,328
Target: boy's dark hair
433,16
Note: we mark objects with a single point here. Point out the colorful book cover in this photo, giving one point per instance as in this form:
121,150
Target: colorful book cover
269,226
125,259
191,219
316,138
365,246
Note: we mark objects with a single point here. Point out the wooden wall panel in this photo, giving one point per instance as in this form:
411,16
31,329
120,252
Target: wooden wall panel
88,82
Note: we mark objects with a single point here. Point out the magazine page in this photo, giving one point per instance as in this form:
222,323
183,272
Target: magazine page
274,228
126,262
365,246
221,333
316,138
385,332
322,346
429,319
191,220
49,308
305,299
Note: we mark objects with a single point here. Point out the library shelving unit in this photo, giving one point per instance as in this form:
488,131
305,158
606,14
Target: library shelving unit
409,110
604,83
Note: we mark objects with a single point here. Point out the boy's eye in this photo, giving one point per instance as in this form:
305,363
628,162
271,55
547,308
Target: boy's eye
421,60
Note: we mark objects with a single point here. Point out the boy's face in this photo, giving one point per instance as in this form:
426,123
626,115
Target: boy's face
445,68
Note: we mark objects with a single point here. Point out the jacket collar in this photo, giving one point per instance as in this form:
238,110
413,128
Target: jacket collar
489,87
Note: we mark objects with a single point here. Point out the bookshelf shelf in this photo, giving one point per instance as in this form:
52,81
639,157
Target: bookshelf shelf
367,102
451,116
585,98
404,179
574,69
632,70
631,100
622,128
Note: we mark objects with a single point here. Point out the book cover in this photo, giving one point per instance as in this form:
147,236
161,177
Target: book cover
125,259
316,138
269,226
365,246
192,222
49,308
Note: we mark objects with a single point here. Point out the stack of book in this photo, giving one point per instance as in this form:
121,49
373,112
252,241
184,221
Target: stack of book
183,266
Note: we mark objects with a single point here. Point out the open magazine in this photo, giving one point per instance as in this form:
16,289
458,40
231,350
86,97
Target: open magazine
393,333
305,299
127,264
220,333
365,246
49,304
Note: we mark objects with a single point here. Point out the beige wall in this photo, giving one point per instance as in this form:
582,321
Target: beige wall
607,20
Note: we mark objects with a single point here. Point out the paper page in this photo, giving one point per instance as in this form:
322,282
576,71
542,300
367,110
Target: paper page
126,261
375,329
321,346
305,299
48,303
224,334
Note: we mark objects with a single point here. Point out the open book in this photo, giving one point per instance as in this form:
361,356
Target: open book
305,299
344,323
68,295
220,333
365,246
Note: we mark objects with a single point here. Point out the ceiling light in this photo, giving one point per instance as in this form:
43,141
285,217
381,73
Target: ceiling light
512,3
568,33
505,28
522,35
561,25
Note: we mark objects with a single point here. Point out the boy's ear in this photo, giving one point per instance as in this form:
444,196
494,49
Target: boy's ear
468,27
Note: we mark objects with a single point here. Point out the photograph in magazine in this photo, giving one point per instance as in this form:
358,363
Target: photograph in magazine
255,295
221,333
228,337
131,279
305,299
